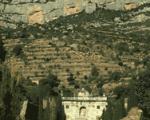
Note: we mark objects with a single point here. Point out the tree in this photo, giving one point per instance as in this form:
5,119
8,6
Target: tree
94,71
143,92
100,85
48,92
115,110
11,96
94,75
122,47
71,79
49,83
2,51
121,91
18,50
115,76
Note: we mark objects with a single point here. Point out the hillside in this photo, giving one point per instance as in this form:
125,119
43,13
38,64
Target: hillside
100,51
112,40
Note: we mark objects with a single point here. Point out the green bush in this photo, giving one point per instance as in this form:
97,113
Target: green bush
121,91
18,51
71,79
67,93
122,47
94,75
47,85
115,76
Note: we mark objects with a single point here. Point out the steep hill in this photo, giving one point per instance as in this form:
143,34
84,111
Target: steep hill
100,51
112,40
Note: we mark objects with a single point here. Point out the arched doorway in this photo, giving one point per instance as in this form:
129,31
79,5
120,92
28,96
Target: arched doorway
82,113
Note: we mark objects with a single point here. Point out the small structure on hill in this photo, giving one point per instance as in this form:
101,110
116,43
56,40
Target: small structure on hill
84,106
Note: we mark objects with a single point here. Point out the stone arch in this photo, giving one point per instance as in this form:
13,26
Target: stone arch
82,111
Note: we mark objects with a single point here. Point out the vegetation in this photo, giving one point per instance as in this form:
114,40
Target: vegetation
115,76
14,92
94,75
115,110
143,92
2,51
47,91
117,41
18,50
71,79
11,96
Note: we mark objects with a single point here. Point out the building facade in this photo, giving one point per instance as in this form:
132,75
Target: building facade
84,107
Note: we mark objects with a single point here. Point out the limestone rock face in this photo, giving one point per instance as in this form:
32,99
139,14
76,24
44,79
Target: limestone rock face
71,10
130,6
36,15
141,18
41,11
134,114
72,6
91,7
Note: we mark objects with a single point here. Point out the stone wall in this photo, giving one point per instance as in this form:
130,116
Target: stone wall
44,55
84,109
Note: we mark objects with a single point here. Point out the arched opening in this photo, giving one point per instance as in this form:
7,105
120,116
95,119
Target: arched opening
82,112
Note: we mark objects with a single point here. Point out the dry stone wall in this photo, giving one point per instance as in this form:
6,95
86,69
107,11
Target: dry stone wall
41,57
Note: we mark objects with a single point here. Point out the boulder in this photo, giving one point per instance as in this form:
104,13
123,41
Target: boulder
130,6
90,8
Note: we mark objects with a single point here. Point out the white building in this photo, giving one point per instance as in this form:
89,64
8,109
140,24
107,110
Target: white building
84,107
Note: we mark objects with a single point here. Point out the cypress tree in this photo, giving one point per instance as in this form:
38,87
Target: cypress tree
2,51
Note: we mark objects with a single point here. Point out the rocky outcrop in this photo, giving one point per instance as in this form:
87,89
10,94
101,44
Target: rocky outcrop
130,6
30,11
36,15
134,114
41,11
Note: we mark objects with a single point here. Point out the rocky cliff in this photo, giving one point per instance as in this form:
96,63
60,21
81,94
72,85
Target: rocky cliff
41,11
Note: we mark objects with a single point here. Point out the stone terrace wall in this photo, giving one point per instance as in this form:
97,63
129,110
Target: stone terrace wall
42,56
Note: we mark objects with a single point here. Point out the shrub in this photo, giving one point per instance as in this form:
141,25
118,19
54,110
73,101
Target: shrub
51,81
115,76
94,71
67,93
122,47
94,75
18,50
121,91
71,79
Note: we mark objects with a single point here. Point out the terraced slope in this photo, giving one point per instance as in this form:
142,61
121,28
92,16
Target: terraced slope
114,41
